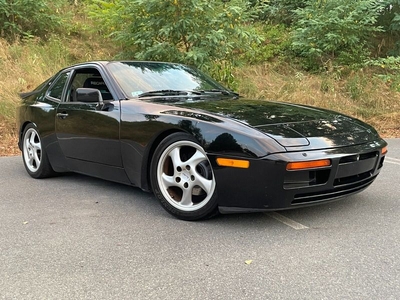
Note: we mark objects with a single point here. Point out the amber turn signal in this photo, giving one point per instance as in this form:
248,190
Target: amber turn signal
384,150
299,165
234,163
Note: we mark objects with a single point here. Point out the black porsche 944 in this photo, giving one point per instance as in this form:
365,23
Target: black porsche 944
198,146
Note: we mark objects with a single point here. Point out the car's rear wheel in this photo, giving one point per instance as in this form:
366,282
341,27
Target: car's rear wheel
34,155
182,178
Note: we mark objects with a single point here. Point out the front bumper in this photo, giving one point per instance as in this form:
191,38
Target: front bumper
266,185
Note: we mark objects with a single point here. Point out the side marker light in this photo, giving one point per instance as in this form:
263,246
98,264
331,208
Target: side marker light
233,163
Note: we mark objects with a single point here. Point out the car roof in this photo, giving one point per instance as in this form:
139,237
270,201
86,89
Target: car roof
106,62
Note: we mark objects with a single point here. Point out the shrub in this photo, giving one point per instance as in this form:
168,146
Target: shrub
335,31
27,18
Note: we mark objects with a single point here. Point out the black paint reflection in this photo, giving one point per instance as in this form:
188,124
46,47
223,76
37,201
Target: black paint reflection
188,126
225,142
194,115
258,112
88,133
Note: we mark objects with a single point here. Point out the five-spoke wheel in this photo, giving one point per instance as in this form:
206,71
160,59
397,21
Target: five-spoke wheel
182,178
33,154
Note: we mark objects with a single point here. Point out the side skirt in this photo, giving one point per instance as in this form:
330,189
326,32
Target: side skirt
115,174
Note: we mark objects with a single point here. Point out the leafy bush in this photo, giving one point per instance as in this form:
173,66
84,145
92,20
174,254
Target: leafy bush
277,11
389,19
335,31
388,69
27,18
275,43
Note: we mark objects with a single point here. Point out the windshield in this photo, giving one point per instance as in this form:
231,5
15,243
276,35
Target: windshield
136,78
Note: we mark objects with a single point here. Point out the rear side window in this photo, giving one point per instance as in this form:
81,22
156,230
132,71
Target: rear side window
58,87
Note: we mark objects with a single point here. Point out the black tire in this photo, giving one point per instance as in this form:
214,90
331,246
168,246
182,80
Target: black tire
182,178
34,155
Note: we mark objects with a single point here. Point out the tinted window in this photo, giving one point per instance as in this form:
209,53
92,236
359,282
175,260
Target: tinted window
57,89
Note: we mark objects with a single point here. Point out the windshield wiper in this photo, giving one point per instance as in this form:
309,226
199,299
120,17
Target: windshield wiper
168,93
218,91
187,92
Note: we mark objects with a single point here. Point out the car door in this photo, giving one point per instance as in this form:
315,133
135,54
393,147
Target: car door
86,131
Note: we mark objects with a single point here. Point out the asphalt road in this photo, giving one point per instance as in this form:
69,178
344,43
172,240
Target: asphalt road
75,237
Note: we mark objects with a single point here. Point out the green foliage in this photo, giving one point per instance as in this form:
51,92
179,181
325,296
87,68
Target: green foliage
278,11
389,19
389,15
335,31
388,69
196,32
390,64
106,14
275,43
28,18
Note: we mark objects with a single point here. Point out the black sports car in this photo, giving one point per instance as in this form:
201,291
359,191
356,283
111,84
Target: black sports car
170,129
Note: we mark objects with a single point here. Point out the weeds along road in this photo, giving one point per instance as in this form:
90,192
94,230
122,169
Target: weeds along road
75,237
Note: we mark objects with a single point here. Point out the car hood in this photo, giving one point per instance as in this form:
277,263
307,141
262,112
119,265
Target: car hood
291,125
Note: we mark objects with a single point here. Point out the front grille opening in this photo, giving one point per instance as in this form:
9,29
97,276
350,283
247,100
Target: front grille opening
358,157
356,168
348,159
305,178
337,192
368,155
351,179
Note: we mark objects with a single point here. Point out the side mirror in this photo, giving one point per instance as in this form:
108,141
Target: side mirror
88,95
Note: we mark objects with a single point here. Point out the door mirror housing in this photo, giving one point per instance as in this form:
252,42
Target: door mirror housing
89,95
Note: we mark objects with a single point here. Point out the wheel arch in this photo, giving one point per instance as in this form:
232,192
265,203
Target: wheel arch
149,153
21,132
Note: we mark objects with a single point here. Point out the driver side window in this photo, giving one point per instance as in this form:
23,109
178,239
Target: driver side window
88,78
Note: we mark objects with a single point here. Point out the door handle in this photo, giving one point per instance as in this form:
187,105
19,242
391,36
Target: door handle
62,115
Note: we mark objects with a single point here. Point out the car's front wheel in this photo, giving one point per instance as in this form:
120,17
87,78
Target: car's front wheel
34,155
182,178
